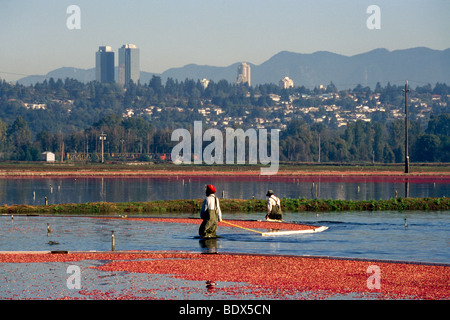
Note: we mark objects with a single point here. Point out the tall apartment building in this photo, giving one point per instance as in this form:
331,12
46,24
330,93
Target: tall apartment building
243,74
286,83
129,68
104,64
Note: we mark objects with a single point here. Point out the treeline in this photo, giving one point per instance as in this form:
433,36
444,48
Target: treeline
367,142
301,142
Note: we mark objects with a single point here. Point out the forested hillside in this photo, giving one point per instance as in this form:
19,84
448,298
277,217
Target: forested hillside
357,124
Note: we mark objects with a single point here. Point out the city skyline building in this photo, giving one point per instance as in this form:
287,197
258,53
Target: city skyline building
104,64
243,74
286,83
129,67
205,82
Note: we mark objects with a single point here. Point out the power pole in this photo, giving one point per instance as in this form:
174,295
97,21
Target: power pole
62,151
406,128
319,147
102,138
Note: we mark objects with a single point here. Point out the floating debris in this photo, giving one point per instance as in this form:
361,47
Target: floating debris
210,285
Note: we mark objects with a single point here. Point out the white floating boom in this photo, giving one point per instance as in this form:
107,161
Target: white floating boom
289,232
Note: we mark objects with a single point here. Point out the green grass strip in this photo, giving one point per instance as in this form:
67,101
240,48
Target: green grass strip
232,205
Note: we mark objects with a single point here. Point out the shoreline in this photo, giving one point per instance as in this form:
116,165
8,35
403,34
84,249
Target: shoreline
285,170
207,173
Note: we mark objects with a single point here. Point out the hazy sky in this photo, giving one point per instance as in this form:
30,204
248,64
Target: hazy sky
34,38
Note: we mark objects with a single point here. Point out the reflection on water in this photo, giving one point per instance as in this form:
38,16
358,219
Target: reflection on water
209,245
372,235
81,190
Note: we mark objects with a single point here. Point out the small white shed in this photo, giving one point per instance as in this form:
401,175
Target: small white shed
48,156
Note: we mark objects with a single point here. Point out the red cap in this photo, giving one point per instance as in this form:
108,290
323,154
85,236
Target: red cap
210,188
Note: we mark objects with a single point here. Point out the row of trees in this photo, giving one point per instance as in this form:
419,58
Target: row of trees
367,142
358,142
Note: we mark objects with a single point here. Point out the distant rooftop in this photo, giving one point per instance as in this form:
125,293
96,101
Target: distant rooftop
105,48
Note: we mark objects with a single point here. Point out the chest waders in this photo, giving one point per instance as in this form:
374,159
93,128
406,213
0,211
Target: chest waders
275,212
210,219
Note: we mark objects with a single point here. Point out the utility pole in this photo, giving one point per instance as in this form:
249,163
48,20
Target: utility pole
406,128
319,147
102,138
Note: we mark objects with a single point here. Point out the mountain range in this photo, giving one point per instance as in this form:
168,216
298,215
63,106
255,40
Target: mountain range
422,65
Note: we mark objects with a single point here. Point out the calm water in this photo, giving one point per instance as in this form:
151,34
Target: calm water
372,235
81,190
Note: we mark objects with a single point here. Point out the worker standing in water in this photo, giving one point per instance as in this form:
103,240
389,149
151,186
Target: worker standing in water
273,207
210,213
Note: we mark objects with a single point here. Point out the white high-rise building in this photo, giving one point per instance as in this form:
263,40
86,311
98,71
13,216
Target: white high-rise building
286,83
205,83
243,75
129,67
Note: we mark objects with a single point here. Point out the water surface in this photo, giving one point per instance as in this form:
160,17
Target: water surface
366,235
80,190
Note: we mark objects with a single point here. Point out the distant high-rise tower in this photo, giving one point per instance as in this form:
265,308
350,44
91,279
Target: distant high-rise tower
104,64
243,75
286,83
129,64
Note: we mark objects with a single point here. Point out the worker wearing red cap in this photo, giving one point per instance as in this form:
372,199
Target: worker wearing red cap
210,213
